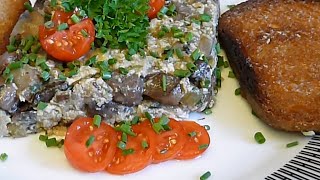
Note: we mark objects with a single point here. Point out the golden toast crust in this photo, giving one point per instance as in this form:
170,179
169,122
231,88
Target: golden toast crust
273,47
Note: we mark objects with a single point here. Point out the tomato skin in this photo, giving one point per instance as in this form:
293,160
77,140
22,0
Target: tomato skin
141,158
191,150
155,7
99,154
169,143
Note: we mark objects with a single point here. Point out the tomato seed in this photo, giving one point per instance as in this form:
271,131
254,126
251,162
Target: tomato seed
90,153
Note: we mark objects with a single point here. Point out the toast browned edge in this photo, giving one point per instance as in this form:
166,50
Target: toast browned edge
248,81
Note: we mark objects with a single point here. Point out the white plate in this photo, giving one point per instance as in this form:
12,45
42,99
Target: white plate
233,154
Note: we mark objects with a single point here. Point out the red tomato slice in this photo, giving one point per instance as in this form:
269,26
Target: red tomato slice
68,45
61,17
169,143
198,140
155,7
140,158
99,154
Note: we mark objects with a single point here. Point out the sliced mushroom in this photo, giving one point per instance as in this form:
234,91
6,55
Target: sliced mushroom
22,124
5,59
127,90
206,45
49,90
8,97
170,95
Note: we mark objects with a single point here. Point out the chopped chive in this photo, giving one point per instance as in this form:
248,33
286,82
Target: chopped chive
102,49
97,120
51,142
171,9
144,144
43,137
123,70
42,105
154,54
157,127
3,157
72,72
237,92
178,52
231,74
135,120
106,75
192,67
220,62
128,57
62,77
182,73
178,34
126,152
258,136
164,83
112,61
294,143
164,120
205,176
28,6
11,48
192,134
165,28
91,61
163,10
82,13
161,34
203,146
45,75
84,33
75,18
226,64
189,37
90,141
207,111
196,54
254,113
63,26
166,127
207,127
35,48
205,83
121,145
126,129
124,137
149,117
142,52
53,3
6,71
15,65
218,48
196,21
205,17
217,72
40,60
60,143
9,78
49,24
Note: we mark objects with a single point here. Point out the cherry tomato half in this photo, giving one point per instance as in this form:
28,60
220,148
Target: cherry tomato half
125,162
155,7
198,140
99,154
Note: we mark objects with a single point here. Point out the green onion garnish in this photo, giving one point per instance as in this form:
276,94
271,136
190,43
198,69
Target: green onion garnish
126,129
90,141
112,61
294,143
189,37
106,75
154,54
85,33
75,18
15,65
178,52
53,3
51,142
203,146
135,120
3,157
196,54
182,73
237,91
171,9
43,137
45,75
205,176
164,120
207,127
191,67
127,151
205,83
220,61
121,145
192,134
60,143
63,26
205,17
42,105
254,113
149,117
91,61
40,60
123,70
62,77
9,78
161,34
218,48
207,111
164,83
97,120
178,34
11,48
124,137
144,144
49,24
28,6
157,127
231,74
258,136
226,64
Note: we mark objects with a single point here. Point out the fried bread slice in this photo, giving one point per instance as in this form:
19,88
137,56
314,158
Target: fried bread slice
273,48
10,11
